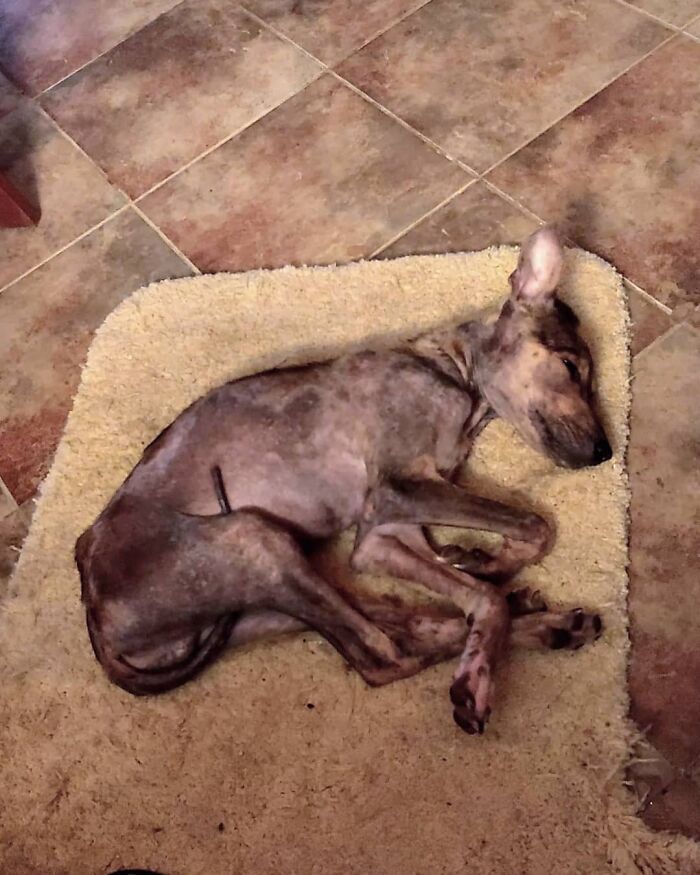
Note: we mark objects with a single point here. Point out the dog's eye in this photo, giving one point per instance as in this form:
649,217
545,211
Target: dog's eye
572,369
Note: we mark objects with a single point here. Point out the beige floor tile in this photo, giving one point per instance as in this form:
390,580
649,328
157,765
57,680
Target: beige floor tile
331,29
475,219
649,321
479,79
180,85
665,545
677,12
621,174
43,40
46,323
71,193
326,177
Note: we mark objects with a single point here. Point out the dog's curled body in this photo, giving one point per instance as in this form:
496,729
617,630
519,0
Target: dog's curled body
207,540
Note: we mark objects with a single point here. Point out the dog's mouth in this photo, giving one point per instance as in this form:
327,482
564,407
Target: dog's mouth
568,444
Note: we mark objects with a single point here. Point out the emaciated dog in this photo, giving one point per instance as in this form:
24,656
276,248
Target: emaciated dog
207,541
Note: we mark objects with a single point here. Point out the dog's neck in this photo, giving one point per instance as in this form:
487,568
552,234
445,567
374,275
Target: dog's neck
455,351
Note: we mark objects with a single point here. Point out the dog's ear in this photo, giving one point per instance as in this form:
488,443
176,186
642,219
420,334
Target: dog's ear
539,268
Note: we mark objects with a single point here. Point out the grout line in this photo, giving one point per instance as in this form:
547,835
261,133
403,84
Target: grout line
79,148
386,29
166,240
513,202
694,20
283,36
107,50
651,15
77,70
365,96
129,204
221,142
578,105
626,281
9,496
649,298
66,246
657,340
379,32
192,161
425,215
433,145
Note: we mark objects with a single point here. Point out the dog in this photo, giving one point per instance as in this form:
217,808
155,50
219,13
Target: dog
207,542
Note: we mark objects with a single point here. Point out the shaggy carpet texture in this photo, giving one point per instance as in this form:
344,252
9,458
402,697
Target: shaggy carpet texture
279,759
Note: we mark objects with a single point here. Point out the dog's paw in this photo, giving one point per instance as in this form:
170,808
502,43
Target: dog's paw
552,630
573,630
569,631
471,693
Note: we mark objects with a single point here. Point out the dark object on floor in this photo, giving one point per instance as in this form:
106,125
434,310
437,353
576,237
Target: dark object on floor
15,209
134,872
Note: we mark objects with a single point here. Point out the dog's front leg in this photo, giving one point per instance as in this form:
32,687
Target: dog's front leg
526,536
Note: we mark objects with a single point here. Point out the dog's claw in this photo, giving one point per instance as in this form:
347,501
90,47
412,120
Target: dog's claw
470,694
463,718
597,625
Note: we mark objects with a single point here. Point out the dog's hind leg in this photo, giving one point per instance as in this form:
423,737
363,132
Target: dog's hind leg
163,590
308,597
402,551
437,630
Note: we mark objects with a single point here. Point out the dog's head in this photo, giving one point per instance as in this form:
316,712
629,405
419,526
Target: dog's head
533,367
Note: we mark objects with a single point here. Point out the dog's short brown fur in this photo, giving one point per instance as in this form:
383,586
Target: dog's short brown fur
206,542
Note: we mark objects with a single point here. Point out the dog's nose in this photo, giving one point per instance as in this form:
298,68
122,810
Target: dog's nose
602,451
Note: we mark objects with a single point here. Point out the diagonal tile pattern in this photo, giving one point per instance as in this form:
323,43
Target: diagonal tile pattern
622,173
664,550
275,161
475,219
44,40
142,91
71,192
677,12
326,177
331,29
46,323
479,79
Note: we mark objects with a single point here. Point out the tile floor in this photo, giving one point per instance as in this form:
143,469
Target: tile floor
165,138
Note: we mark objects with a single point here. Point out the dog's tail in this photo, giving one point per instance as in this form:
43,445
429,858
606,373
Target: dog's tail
150,681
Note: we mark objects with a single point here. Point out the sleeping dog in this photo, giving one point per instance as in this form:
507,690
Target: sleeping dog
206,543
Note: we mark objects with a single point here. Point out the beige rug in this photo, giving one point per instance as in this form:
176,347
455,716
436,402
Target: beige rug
237,773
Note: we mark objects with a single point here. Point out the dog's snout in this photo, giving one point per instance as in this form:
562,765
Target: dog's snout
602,451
